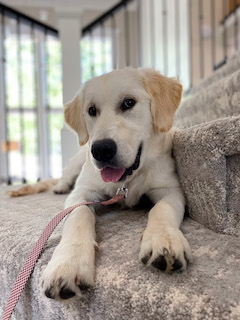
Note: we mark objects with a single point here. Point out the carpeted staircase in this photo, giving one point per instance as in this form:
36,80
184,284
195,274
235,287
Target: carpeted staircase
207,157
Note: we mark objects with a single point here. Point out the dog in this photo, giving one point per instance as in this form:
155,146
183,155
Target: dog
123,120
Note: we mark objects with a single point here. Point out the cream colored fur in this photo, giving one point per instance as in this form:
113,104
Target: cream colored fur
148,122
38,187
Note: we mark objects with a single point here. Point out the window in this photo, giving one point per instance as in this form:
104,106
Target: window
96,53
31,108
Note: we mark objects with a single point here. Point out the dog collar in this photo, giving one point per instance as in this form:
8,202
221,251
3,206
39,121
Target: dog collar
122,191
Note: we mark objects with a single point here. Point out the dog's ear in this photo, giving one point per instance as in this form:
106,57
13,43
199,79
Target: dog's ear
165,96
73,113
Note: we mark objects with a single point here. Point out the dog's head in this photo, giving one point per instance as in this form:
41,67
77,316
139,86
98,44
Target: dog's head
118,113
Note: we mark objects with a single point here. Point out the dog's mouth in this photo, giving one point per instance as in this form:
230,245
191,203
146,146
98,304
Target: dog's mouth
110,174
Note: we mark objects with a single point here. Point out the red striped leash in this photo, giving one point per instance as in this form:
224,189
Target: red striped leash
27,269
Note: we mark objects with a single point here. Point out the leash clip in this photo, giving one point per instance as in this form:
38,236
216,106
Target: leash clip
123,191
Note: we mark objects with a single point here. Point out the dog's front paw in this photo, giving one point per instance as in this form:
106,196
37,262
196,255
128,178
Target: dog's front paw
61,188
70,271
165,248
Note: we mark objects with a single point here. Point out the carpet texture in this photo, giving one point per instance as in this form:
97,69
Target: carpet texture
207,152
221,99
208,163
230,67
125,289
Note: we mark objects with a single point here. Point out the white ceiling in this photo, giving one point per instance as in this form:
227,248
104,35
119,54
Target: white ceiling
45,10
81,4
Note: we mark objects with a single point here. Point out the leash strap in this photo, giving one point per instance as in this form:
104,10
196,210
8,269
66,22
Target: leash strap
27,269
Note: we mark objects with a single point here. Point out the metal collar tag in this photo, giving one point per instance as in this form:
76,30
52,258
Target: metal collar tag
123,191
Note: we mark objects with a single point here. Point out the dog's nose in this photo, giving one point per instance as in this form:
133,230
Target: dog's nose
104,150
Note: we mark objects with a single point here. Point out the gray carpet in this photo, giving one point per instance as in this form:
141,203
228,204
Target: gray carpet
208,164
125,288
220,99
230,67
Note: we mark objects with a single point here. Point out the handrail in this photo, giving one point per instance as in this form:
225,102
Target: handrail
233,12
26,17
105,16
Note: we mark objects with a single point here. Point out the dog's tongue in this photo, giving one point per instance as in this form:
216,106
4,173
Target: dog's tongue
111,174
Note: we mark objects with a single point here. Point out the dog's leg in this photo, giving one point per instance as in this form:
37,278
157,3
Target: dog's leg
38,187
71,172
163,245
71,268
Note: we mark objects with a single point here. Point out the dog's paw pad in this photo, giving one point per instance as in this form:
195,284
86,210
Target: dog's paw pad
84,287
63,291
48,293
66,293
165,249
160,263
167,262
146,258
177,265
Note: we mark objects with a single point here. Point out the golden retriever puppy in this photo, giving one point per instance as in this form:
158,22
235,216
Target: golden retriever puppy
123,120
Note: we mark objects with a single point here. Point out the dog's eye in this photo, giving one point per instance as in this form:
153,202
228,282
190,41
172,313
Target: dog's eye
92,111
128,104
